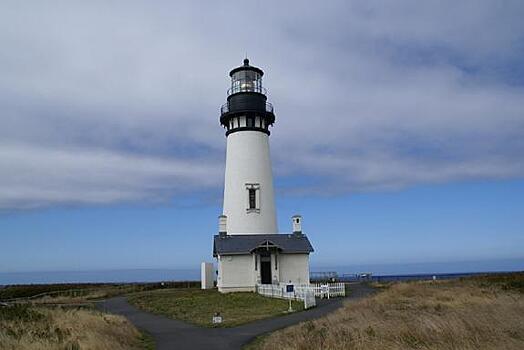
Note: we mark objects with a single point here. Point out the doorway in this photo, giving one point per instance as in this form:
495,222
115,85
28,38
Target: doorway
265,268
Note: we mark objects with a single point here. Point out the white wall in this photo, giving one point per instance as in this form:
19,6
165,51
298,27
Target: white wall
248,161
236,271
294,268
275,268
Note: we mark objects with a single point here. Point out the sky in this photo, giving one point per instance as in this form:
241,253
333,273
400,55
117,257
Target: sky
399,134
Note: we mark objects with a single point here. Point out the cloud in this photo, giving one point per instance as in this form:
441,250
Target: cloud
37,177
106,103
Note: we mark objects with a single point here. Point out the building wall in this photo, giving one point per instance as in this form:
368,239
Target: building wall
236,273
275,266
294,268
248,162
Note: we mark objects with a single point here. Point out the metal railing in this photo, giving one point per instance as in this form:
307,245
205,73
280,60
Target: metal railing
323,276
225,108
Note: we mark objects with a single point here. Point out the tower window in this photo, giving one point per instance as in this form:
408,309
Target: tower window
253,198
250,122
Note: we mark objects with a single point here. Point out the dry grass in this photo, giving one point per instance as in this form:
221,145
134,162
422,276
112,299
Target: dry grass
467,314
27,327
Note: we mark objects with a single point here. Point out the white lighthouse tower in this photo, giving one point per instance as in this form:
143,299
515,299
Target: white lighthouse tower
249,203
248,248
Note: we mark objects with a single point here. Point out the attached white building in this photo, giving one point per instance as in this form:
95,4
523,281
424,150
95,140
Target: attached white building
247,260
248,248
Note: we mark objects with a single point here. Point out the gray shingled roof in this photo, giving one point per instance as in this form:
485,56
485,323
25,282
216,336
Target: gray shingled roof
245,244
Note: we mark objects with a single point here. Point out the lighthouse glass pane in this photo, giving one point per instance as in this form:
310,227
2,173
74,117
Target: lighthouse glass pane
246,81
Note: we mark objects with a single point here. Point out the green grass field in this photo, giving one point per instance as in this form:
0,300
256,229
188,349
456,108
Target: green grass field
198,306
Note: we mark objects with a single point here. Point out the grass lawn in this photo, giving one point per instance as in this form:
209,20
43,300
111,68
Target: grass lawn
146,341
198,306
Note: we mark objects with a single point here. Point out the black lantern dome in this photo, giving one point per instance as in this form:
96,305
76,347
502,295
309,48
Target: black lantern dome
247,107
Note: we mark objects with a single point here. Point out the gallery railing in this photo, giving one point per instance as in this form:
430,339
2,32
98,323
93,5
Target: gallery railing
225,108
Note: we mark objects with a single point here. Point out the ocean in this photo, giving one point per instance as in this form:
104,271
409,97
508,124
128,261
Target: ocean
100,276
379,272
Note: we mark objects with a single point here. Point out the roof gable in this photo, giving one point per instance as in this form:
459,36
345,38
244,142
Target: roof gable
266,244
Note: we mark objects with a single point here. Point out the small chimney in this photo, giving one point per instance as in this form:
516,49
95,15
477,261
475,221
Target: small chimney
222,226
297,224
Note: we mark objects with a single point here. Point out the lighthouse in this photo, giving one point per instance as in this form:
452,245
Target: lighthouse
248,247
249,203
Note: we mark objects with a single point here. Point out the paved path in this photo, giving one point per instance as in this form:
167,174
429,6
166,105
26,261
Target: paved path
172,334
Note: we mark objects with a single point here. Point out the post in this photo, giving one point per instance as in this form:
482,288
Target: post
206,276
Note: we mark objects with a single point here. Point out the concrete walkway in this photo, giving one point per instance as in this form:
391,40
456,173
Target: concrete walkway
172,334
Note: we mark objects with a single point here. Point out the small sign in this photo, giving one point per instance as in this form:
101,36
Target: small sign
217,318
290,288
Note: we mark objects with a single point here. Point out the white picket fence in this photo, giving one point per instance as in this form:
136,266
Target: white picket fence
279,291
300,292
305,292
329,290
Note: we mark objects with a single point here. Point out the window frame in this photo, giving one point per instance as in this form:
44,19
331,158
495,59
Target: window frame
250,187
